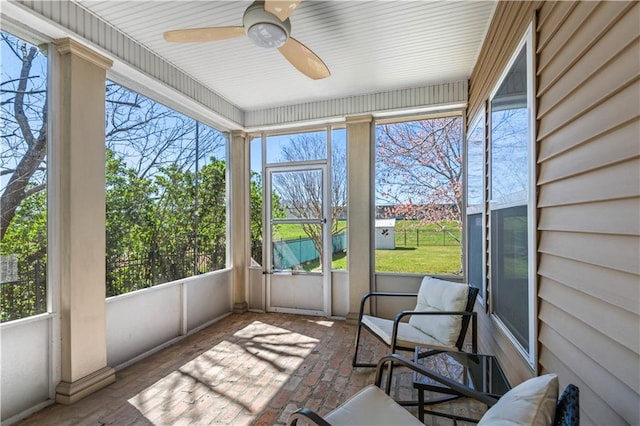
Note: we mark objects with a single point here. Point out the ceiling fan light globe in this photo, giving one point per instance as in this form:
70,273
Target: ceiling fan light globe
268,35
263,28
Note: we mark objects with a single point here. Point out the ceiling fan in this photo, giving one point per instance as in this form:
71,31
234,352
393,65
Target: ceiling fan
267,24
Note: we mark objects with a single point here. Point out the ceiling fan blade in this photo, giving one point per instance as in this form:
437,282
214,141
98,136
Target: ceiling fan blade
281,8
301,57
203,34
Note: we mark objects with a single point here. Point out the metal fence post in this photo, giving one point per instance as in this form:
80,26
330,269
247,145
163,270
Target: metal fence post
36,283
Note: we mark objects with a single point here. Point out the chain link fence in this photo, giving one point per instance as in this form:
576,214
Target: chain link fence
427,237
294,252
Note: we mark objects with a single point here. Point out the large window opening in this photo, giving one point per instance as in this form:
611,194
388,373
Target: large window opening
23,179
418,178
166,203
511,205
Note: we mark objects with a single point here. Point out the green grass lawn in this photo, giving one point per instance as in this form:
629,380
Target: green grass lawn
428,251
293,231
420,260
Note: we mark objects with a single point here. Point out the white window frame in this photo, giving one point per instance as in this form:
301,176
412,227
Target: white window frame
479,120
529,40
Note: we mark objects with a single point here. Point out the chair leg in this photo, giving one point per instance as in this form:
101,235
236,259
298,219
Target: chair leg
389,376
390,372
355,362
474,333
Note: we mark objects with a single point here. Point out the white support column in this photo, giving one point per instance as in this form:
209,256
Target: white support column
238,172
360,148
79,136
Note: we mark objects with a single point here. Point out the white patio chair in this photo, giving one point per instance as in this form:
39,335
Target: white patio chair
439,320
532,403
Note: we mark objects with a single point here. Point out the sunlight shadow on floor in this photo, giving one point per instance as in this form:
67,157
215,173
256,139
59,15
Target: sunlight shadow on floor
228,371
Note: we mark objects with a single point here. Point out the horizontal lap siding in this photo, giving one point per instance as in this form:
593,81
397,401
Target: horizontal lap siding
613,147
589,203
588,155
590,342
510,22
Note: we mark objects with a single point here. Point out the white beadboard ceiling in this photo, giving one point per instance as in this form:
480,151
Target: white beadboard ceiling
369,46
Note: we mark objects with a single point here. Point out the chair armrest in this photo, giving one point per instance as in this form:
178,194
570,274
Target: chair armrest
402,314
308,416
463,390
380,294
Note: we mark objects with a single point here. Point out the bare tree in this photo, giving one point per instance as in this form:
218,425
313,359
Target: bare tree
152,136
24,129
148,134
145,142
509,171
419,169
301,192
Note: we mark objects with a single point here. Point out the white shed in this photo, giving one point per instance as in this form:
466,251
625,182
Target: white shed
385,234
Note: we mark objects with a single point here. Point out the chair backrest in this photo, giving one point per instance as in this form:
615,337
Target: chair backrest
438,295
471,301
568,408
444,296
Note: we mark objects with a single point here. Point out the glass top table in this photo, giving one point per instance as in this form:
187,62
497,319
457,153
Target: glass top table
476,371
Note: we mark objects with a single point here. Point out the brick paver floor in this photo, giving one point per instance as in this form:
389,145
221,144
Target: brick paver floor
246,369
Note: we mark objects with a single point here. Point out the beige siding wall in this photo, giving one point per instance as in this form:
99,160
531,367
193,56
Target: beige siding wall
589,202
588,135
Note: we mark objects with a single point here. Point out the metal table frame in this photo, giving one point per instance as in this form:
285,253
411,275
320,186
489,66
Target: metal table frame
475,371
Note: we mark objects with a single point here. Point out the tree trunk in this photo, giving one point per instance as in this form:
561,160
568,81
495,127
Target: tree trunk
16,189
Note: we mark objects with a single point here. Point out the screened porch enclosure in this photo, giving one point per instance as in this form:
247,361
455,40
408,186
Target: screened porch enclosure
153,192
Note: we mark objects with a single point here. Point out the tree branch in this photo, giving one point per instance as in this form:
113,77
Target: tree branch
18,108
34,190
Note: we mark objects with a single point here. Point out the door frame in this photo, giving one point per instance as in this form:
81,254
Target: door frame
269,169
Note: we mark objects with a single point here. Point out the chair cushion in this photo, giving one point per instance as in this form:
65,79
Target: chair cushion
440,295
371,406
532,402
568,407
408,336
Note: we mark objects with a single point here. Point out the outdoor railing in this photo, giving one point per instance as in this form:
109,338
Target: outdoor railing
25,295
129,274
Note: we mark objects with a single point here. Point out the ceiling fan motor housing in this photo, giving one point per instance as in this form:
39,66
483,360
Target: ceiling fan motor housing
263,28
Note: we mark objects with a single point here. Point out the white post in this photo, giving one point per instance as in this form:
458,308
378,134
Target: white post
360,149
80,219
